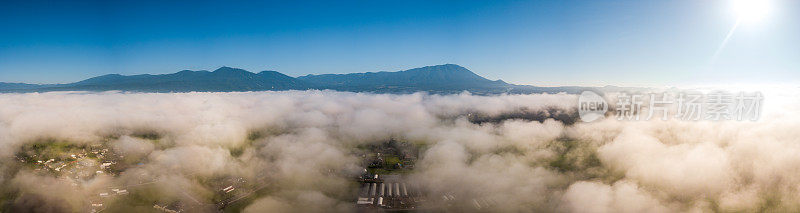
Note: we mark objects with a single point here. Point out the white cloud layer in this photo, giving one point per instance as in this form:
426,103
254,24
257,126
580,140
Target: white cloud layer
302,144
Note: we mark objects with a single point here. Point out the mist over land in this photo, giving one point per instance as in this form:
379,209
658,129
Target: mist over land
300,149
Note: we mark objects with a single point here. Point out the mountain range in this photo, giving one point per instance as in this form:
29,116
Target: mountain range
438,79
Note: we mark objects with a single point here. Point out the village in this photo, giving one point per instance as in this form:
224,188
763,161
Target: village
382,184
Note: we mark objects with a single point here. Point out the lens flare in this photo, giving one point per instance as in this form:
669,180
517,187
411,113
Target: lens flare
751,10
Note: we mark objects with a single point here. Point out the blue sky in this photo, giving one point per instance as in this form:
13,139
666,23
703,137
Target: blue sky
567,42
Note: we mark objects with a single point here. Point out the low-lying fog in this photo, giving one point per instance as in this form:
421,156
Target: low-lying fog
301,148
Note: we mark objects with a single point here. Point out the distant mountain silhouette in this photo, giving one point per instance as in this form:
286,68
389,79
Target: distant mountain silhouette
436,79
439,75
20,86
224,79
439,79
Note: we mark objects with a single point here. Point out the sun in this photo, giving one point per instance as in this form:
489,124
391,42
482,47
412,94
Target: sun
751,10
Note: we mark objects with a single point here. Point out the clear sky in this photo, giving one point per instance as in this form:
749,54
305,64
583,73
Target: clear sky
565,42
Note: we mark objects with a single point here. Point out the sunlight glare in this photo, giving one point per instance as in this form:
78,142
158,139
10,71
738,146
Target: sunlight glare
751,10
